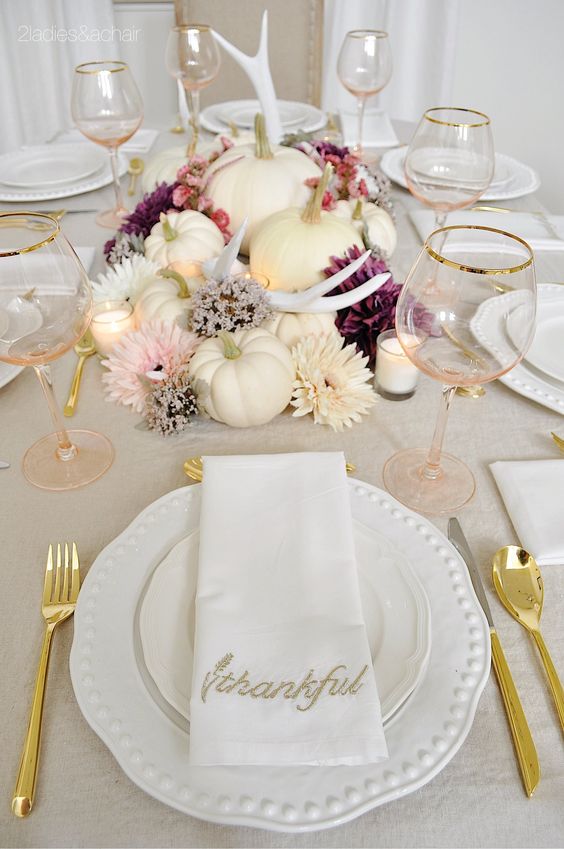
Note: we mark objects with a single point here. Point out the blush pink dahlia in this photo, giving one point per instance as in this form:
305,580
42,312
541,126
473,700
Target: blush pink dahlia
144,357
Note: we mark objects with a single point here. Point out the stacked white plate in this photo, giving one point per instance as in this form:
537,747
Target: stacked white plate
293,115
50,171
512,179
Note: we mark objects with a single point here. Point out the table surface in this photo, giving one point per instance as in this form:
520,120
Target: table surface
83,797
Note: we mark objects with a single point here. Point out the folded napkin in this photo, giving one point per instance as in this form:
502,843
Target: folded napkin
282,667
533,492
377,129
140,142
532,228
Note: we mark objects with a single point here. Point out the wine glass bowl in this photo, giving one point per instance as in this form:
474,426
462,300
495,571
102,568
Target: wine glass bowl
107,108
466,315
192,56
450,160
364,67
45,308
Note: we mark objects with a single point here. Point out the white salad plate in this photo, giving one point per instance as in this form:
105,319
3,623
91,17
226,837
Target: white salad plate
396,612
491,326
121,702
50,165
293,115
8,372
101,177
512,179
546,353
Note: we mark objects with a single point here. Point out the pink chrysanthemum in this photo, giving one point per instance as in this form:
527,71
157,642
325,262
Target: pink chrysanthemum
144,357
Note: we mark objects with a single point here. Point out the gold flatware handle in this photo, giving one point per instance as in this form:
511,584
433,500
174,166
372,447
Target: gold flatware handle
524,745
558,440
132,181
24,791
553,679
75,386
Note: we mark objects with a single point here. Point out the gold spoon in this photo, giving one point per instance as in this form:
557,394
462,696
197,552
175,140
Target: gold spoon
178,128
475,391
135,169
558,439
84,348
193,467
518,583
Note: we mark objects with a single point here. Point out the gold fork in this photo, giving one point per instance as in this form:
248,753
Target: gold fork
59,602
194,468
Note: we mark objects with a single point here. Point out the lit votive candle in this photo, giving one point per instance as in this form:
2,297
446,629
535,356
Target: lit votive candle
396,376
254,275
110,320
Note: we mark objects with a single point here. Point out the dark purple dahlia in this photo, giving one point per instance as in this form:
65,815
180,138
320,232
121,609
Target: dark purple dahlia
146,213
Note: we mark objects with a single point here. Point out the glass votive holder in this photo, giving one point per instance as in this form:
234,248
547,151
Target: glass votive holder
110,320
396,376
251,275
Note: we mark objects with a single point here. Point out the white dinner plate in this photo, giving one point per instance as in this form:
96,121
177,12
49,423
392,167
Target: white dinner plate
293,115
122,705
8,372
50,165
490,322
396,613
512,179
102,177
547,348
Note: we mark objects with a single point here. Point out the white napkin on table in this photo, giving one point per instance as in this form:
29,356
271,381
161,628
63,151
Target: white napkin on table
377,129
282,666
529,227
533,492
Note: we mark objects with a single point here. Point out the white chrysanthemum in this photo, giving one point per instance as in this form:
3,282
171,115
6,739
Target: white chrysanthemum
331,381
126,280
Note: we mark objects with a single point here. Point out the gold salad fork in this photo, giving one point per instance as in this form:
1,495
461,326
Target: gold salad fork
194,468
59,602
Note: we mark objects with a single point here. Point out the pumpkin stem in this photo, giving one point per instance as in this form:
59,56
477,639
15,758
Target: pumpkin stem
170,273
262,146
168,230
312,212
357,214
230,349
234,129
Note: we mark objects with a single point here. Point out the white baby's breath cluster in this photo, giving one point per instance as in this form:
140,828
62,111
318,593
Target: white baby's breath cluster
231,304
332,381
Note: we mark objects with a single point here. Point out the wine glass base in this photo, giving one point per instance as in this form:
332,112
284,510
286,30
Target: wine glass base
43,468
112,218
403,478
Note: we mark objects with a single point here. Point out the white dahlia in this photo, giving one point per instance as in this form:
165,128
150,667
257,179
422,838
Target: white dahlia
331,381
126,280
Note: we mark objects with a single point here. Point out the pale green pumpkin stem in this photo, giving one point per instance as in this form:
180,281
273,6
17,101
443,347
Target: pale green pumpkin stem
230,349
312,212
357,214
168,230
262,145
171,274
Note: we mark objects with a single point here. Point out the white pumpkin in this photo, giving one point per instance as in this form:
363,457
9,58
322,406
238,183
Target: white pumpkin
255,180
167,298
290,327
372,221
181,238
243,378
163,167
293,247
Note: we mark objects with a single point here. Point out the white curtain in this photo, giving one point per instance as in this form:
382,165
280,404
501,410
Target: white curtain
423,42
41,41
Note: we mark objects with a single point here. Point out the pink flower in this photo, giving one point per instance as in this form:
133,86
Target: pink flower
204,204
180,195
139,359
221,218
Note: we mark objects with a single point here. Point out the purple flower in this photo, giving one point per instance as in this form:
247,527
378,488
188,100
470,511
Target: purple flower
146,213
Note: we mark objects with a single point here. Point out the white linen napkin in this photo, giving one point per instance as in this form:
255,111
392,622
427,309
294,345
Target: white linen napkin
529,227
377,129
533,492
282,666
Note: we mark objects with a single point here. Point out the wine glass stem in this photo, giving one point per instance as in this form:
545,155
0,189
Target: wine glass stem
66,450
440,218
115,175
432,467
360,104
193,100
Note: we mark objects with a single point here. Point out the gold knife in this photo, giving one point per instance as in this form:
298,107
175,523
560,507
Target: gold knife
524,745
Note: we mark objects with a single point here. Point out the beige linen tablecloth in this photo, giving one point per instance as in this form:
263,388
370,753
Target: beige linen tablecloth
83,797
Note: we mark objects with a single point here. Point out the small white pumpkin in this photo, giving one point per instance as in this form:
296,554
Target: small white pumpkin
255,180
182,238
371,221
243,378
167,298
290,327
163,167
293,247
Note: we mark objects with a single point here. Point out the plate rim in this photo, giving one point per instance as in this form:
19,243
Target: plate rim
542,369
211,121
408,777
48,148
99,180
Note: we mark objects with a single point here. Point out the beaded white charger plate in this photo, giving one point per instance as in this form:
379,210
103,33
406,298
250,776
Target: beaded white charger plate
152,748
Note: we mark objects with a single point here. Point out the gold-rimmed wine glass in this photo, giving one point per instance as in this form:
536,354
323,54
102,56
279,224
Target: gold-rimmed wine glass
192,56
465,315
364,67
107,108
450,160
45,308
